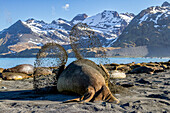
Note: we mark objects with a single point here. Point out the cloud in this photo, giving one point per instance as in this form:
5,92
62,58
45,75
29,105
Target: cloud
66,7
53,11
8,17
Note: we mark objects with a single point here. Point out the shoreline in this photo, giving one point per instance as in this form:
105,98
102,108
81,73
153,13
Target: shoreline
11,62
101,57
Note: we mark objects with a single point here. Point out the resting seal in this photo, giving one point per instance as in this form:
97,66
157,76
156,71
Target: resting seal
14,76
86,81
23,68
42,71
1,70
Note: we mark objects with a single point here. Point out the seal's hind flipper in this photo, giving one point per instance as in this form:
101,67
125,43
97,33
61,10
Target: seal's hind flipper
85,98
104,94
108,97
73,100
89,95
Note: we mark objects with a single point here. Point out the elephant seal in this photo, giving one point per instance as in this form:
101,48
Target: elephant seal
85,80
23,68
1,70
42,71
14,76
143,69
99,68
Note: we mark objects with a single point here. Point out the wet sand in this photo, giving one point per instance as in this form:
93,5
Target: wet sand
142,93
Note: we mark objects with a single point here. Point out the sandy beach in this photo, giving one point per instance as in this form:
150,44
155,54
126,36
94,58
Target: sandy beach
141,93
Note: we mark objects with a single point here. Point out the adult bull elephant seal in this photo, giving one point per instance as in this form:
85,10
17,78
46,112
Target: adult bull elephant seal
86,81
23,68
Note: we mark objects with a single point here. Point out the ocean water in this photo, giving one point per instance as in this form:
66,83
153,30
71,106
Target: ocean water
11,62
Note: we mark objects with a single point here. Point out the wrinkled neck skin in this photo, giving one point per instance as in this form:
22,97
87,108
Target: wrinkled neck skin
105,94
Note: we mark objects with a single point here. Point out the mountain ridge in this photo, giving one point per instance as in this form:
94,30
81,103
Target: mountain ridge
148,31
34,33
151,27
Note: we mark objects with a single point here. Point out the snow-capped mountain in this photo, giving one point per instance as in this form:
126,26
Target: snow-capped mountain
151,27
56,31
109,22
78,18
32,33
165,4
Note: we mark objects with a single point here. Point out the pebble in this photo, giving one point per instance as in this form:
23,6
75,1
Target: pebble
116,74
3,87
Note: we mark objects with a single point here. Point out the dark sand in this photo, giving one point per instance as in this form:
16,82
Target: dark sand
143,93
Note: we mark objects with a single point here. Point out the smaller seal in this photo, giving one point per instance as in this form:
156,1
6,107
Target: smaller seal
42,71
14,76
23,68
1,70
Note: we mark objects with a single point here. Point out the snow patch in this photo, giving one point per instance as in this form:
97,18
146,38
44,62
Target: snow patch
156,20
112,42
126,18
12,51
158,9
36,43
63,22
144,18
20,35
156,26
2,31
76,21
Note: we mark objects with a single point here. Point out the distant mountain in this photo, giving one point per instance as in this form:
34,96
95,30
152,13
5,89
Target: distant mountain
78,18
165,4
32,34
151,27
146,34
29,35
109,22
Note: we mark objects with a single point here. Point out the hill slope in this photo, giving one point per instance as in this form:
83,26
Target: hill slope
151,27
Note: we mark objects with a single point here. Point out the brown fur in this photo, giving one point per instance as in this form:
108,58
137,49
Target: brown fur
23,68
86,81
95,66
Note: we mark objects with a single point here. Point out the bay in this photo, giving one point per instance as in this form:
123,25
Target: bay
11,62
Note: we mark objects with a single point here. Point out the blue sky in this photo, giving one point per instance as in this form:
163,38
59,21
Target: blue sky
48,10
